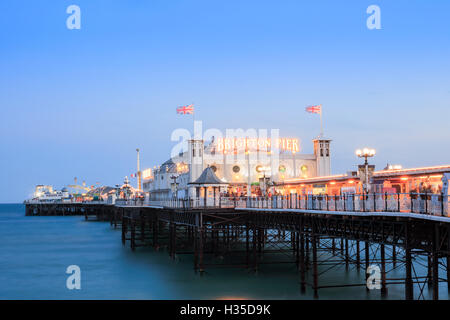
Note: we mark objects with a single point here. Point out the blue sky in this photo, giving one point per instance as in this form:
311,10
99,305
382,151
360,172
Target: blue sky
78,102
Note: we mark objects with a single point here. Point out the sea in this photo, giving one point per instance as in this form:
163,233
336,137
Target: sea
35,253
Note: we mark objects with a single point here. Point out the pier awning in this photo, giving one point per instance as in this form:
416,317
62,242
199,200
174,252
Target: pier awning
208,178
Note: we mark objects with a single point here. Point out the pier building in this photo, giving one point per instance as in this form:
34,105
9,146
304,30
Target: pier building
252,168
46,193
238,163
421,180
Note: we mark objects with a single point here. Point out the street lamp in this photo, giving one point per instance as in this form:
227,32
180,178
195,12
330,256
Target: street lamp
174,185
264,169
366,153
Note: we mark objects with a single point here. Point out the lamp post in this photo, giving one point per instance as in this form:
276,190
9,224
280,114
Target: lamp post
117,189
249,186
174,185
264,169
366,153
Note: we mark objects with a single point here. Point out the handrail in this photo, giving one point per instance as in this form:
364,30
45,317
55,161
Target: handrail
424,203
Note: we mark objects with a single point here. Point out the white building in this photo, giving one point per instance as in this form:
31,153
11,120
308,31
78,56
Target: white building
45,193
238,163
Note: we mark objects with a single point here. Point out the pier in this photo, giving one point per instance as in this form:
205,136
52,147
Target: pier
384,233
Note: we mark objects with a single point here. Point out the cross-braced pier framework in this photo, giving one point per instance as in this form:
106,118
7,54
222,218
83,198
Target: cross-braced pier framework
315,243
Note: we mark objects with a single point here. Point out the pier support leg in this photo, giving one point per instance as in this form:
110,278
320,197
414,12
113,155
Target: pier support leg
142,227
302,264
133,235
155,233
346,254
409,288
358,259
196,249
255,257
124,229
367,258
448,274
436,263
383,271
260,241
297,249
213,241
448,259
247,245
307,251
394,256
112,217
171,231
174,240
200,251
409,293
315,269
429,271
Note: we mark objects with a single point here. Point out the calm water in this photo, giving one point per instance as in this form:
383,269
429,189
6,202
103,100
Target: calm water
35,252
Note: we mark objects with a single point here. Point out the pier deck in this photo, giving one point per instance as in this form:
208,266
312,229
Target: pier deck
311,239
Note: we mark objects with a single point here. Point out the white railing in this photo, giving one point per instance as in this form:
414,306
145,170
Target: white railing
432,204
131,202
190,203
66,201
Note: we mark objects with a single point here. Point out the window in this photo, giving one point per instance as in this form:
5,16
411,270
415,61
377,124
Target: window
236,169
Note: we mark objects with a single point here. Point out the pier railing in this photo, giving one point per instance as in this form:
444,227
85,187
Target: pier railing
193,203
423,203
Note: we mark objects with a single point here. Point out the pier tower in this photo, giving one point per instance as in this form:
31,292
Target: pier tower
322,153
195,151
196,148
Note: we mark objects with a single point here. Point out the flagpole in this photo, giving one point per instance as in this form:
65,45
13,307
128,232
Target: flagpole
321,122
193,123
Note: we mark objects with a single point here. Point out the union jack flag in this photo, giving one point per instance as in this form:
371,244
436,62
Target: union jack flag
186,109
314,109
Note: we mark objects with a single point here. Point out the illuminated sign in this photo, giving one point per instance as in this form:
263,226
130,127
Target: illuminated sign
147,174
225,145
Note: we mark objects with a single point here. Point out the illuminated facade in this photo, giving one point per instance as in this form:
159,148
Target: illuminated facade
238,163
431,180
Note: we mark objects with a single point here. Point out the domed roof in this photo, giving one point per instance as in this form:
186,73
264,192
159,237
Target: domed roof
168,166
